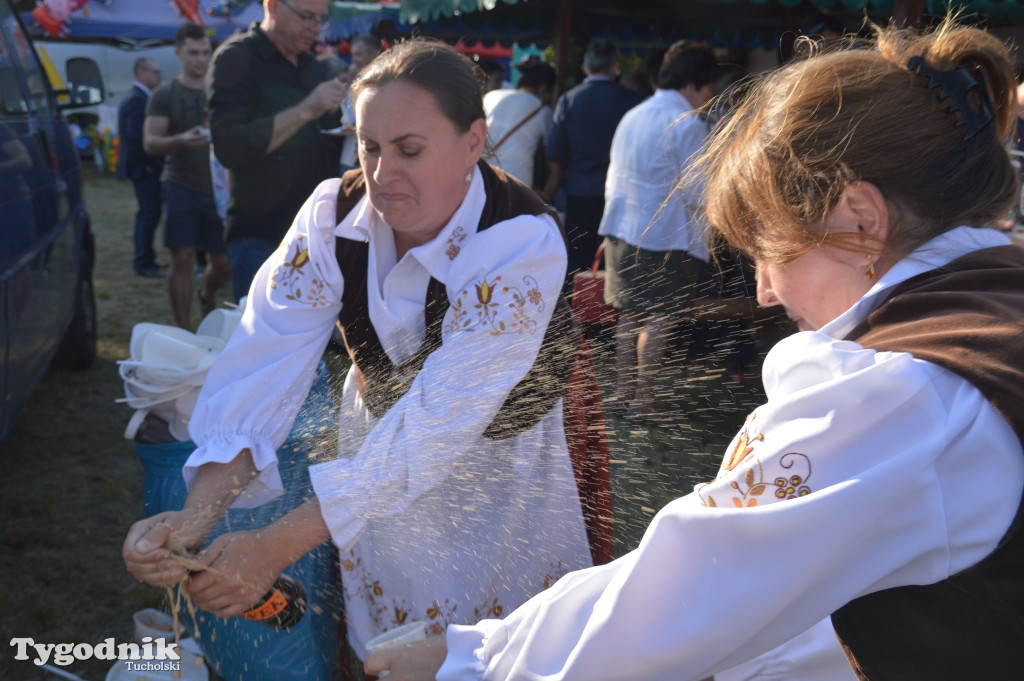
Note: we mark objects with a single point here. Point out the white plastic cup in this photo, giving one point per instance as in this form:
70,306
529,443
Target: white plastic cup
220,323
163,348
399,636
153,623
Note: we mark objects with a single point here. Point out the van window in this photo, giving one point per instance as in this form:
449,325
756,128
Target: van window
15,51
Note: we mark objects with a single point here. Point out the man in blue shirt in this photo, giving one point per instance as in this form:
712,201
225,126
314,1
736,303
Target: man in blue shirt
578,148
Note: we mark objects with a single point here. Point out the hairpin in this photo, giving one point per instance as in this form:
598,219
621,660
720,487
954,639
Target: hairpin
975,112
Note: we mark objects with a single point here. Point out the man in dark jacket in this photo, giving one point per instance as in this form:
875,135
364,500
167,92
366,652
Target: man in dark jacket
269,100
579,145
142,169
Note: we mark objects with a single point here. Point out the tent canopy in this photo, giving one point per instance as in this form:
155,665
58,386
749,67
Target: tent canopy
147,22
994,11
746,24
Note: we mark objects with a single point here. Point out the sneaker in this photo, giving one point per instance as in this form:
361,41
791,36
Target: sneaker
150,273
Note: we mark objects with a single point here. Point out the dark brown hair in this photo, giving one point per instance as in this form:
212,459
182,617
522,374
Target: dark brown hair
685,63
189,31
435,67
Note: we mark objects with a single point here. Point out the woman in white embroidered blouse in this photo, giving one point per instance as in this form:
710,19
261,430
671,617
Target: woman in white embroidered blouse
434,521
845,176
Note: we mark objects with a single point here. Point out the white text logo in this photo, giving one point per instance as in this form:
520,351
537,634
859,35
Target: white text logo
66,653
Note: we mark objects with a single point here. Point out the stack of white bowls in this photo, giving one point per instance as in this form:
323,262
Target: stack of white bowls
168,366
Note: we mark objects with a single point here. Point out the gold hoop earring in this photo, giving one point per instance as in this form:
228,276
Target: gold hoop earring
870,273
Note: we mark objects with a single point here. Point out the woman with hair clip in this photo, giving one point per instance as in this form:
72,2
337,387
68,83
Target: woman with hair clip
471,397
881,481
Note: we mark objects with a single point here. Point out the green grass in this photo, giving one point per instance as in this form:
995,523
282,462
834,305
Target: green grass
70,484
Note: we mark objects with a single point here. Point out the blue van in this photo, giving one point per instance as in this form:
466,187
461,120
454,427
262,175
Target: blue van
47,308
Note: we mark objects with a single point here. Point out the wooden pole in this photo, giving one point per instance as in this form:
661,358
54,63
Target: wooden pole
907,13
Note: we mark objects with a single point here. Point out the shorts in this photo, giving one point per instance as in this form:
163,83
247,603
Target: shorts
191,220
660,283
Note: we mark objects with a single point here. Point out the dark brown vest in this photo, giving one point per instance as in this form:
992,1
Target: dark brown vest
381,383
969,318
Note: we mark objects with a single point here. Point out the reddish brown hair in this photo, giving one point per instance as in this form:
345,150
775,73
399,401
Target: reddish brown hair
779,164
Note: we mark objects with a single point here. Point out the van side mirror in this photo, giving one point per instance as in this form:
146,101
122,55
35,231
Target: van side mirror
84,84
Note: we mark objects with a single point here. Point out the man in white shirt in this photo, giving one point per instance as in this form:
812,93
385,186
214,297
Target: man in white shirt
655,251
518,121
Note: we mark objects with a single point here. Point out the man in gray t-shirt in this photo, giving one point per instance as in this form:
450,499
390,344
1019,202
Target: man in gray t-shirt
175,127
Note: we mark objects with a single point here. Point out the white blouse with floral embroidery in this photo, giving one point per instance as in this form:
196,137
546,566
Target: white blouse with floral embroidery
863,470
433,521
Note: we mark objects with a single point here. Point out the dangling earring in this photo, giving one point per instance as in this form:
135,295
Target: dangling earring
469,175
870,273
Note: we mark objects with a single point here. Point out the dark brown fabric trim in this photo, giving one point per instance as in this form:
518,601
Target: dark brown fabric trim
967,317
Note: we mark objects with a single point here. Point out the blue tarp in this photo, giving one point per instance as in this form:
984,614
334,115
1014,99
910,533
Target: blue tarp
146,21
155,21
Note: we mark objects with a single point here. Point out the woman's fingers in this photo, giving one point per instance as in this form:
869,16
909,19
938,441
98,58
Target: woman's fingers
145,554
234,578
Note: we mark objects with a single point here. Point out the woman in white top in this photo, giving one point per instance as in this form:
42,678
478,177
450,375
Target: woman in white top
881,481
438,513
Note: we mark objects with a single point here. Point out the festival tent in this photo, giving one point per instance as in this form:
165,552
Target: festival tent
142,22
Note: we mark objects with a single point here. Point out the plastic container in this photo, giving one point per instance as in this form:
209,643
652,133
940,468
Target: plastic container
235,648
155,624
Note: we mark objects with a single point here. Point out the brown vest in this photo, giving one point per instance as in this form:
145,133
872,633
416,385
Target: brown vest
381,383
969,318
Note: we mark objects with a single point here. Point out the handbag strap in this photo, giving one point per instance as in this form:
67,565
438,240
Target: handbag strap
597,259
517,126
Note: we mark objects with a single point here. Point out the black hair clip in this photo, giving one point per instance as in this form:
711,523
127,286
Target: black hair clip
975,111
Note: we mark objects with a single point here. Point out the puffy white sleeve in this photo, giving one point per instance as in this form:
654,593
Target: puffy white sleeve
502,288
862,471
256,386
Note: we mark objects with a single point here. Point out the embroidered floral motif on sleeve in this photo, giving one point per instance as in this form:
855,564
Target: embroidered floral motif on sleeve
291,276
786,476
457,237
499,309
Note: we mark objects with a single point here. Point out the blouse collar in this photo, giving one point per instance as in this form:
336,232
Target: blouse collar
940,251
436,255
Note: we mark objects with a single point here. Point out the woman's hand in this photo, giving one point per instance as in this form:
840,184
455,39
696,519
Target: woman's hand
413,662
147,550
241,568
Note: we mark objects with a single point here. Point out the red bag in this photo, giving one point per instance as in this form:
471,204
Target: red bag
588,296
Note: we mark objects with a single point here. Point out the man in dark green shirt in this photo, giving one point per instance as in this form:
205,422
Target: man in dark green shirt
175,127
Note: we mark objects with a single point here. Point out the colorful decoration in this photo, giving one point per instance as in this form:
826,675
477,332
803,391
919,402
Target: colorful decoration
228,8
106,147
189,9
54,16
